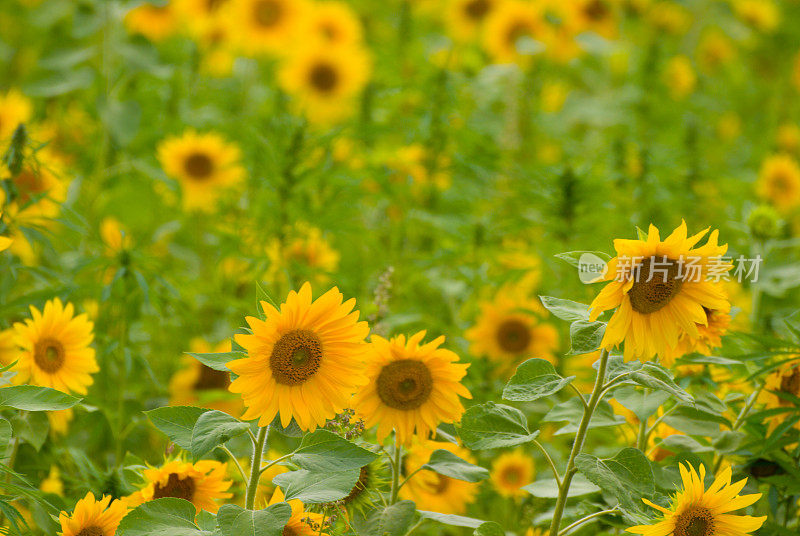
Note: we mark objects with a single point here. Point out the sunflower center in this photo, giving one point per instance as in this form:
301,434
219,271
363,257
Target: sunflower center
48,354
329,31
655,284
790,383
212,379
361,485
405,384
29,184
596,10
323,77
296,357
477,9
511,476
442,483
289,531
516,32
213,5
199,166
267,13
696,521
513,336
177,487
91,531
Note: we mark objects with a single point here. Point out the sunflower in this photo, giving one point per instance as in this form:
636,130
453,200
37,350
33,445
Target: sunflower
304,361
779,182
508,25
114,236
511,471
679,77
430,490
8,348
59,421
196,384
92,517
333,24
533,531
307,252
696,511
39,188
762,15
15,108
715,50
598,16
52,483
509,329
269,25
301,523
669,17
788,138
156,23
465,18
371,479
661,290
709,336
201,483
785,380
796,72
324,80
5,242
413,387
54,349
199,15
204,164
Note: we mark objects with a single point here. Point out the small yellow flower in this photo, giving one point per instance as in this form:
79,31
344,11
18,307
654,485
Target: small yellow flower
15,108
763,15
97,518
680,77
52,484
779,182
788,138
511,471
154,22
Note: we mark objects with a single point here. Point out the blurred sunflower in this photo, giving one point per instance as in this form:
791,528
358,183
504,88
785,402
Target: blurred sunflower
8,348
796,72
204,164
5,242
679,77
334,24
38,188
709,336
580,366
779,385
196,384
465,18
301,523
510,329
779,182
788,138
657,449
510,471
696,511
715,50
156,23
308,253
52,483
15,108
669,17
114,236
269,25
324,80
198,15
304,361
729,126
533,531
508,25
762,15
201,483
598,16
412,387
59,421
54,349
656,304
430,490
92,517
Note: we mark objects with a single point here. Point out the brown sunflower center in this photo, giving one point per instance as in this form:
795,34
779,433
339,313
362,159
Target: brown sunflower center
441,485
267,13
781,182
212,379
405,384
290,531
296,357
177,487
330,31
517,31
513,336
323,77
49,354
695,521
790,383
29,184
477,9
213,5
596,10
512,476
361,485
91,531
655,284
199,166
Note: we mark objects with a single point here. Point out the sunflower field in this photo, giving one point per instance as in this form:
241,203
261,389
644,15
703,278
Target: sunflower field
399,267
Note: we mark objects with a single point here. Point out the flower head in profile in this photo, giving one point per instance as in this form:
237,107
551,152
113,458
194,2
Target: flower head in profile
301,523
781,389
697,511
92,517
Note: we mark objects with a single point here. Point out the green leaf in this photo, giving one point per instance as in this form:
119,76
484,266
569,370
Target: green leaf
267,522
566,309
323,451
214,428
452,520
32,428
446,463
5,439
534,379
684,443
490,528
314,487
490,425
394,520
161,517
573,257
218,361
627,476
572,411
33,398
176,422
585,336
657,377
548,488
641,403
695,421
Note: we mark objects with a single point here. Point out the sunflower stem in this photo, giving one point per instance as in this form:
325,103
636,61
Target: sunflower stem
395,473
255,467
585,519
580,437
550,460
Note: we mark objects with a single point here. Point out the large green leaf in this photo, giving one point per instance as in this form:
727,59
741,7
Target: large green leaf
572,411
218,360
33,398
393,520
177,422
490,425
585,336
32,428
323,451
161,517
236,521
627,476
566,309
657,377
314,487
695,421
446,463
5,439
214,428
452,520
548,488
534,379
489,528
642,404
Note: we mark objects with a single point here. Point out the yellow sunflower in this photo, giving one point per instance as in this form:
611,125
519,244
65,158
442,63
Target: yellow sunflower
465,18
762,15
533,531
697,511
201,483
114,236
59,421
779,182
679,77
304,361
307,252
301,523
715,50
509,330
324,80
15,108
430,490
511,471
598,16
709,336
39,189
156,23
92,517
53,483
199,15
796,72
785,380
661,291
669,17
333,23
508,25
54,349
269,25
5,242
788,138
412,387
204,164
195,384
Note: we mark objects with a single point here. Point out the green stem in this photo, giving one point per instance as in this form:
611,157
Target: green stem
739,422
235,462
396,473
255,468
580,437
585,519
277,460
550,461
